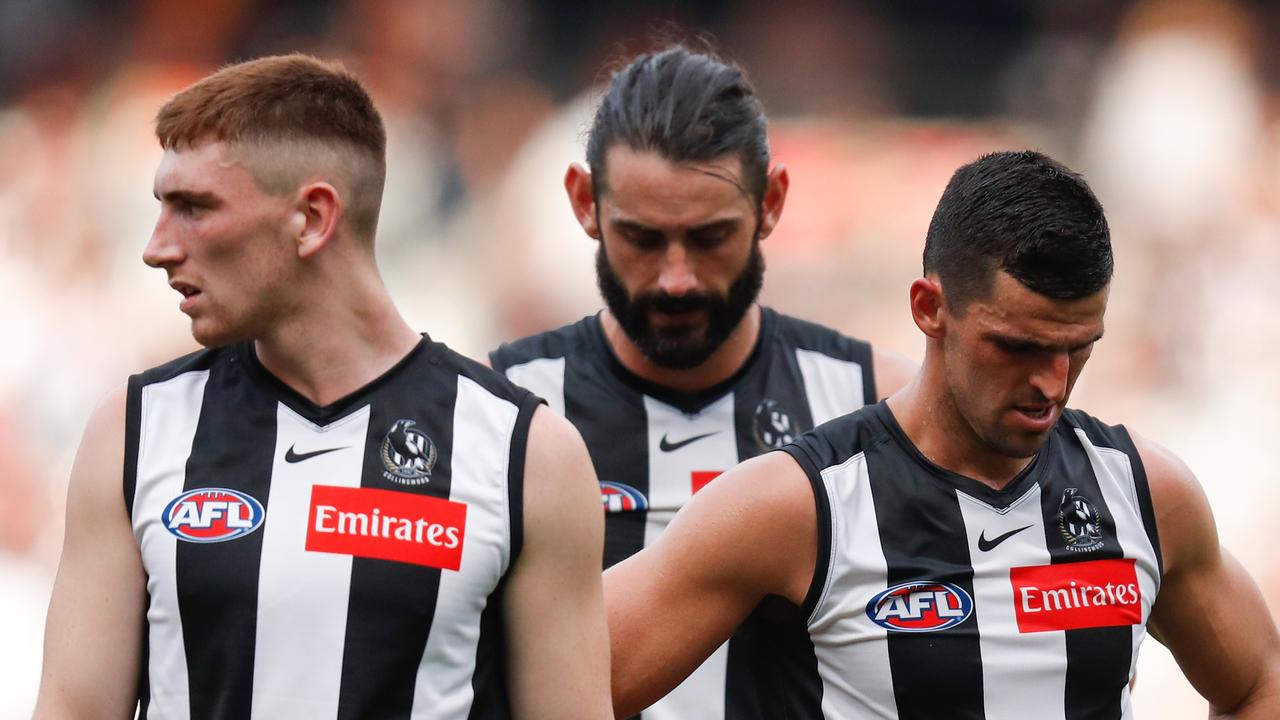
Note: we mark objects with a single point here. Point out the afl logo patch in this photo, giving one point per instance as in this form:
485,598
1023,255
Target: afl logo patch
619,498
1079,522
211,515
774,426
407,454
920,606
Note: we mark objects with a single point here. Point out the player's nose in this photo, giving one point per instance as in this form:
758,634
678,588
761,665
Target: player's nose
163,249
677,277
1051,378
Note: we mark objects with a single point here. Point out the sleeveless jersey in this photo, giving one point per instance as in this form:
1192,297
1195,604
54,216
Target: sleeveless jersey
344,561
653,448
936,596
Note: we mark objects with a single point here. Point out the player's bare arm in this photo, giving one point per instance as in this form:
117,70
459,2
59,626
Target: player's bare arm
892,371
1209,612
92,637
559,648
749,534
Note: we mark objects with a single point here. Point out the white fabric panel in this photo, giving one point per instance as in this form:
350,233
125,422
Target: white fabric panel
702,694
543,377
302,596
170,411
1023,675
482,434
852,651
1115,477
833,387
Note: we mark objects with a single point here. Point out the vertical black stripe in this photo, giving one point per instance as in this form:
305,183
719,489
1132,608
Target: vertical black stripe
1098,659
935,674
132,437
392,605
233,448
515,473
618,441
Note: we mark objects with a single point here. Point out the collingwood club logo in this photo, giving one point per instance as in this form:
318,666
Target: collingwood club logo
1079,522
407,454
774,426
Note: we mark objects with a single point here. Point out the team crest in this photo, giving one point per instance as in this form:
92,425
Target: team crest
407,454
1079,522
774,426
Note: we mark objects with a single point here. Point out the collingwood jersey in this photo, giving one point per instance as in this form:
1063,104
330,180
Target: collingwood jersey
325,562
653,448
936,596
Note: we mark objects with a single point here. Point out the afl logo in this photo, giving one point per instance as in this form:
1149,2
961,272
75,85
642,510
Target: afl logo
774,426
920,606
211,515
1079,522
618,498
407,454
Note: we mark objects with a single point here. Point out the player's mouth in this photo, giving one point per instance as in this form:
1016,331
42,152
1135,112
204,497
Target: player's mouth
190,293
1038,417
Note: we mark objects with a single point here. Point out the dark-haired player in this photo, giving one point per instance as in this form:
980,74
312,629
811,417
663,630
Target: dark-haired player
683,375
969,548
324,514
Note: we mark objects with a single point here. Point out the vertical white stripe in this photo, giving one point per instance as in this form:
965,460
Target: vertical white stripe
852,651
543,377
702,694
302,596
482,432
1023,675
833,387
170,411
1115,477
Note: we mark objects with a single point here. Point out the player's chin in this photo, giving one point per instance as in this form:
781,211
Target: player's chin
210,332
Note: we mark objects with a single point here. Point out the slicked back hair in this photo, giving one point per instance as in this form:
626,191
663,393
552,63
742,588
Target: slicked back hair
687,107
285,101
1027,214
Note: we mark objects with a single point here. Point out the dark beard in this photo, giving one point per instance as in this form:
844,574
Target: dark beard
680,347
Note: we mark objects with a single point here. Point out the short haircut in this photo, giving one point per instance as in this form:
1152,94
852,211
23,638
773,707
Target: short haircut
686,106
1027,214
284,101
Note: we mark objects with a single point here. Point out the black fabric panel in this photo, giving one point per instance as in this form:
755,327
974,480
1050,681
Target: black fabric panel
392,605
515,473
489,683
935,674
233,447
1098,659
132,437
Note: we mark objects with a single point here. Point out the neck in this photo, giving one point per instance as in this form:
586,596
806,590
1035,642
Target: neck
720,366
927,413
345,334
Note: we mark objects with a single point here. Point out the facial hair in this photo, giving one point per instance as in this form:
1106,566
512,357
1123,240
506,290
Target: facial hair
680,347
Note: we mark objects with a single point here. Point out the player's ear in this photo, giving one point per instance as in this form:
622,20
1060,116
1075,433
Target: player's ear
928,306
582,197
315,217
775,196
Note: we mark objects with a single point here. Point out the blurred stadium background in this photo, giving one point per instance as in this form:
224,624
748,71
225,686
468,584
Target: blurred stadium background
1169,107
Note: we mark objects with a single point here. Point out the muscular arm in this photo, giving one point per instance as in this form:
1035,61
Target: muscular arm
93,633
1210,613
558,640
751,533
892,371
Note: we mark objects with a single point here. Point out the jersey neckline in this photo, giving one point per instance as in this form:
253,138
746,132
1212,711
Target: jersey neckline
1011,492
325,414
686,402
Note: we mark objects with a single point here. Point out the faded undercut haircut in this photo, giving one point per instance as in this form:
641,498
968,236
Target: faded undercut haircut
1026,214
687,107
280,110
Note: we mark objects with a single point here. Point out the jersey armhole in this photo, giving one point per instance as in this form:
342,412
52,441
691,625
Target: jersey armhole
822,508
132,436
515,472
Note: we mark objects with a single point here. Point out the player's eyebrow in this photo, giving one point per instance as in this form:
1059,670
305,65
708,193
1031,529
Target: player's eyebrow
1029,344
633,226
191,197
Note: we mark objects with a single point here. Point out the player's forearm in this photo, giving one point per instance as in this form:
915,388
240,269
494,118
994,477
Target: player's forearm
1261,703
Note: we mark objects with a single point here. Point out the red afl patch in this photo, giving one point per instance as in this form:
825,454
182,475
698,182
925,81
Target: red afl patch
700,478
1069,596
387,525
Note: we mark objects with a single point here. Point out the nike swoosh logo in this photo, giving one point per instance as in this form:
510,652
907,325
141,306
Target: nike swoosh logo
665,446
985,545
292,457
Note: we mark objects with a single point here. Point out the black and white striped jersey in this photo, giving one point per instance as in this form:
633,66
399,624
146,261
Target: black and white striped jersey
344,561
936,596
653,448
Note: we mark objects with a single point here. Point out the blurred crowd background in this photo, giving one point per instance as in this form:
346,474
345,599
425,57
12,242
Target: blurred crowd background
1169,108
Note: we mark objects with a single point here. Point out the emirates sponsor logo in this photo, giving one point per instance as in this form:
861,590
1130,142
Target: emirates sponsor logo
387,525
1070,596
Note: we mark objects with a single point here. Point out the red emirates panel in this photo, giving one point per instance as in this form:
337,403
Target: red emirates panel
387,525
1070,596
